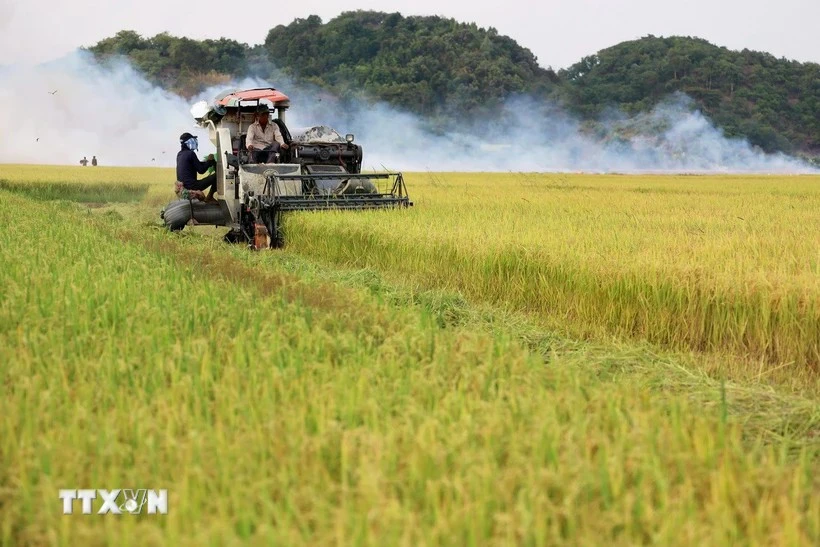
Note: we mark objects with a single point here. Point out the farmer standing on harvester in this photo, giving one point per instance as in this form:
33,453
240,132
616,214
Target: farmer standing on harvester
188,165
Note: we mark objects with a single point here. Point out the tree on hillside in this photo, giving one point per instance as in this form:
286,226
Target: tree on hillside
182,65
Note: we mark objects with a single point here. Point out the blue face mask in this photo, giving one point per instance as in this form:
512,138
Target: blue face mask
192,143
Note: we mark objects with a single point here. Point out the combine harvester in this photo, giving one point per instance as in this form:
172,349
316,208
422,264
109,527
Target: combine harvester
320,170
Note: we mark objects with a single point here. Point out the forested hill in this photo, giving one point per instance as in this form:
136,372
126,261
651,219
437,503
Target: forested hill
775,103
443,69
428,65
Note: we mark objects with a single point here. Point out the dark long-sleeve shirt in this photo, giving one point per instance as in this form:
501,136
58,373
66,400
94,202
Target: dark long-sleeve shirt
188,165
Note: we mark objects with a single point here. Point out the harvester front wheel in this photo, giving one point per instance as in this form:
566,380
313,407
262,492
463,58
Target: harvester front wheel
245,231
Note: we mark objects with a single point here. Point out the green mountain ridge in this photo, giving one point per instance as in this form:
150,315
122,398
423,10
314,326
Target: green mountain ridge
444,70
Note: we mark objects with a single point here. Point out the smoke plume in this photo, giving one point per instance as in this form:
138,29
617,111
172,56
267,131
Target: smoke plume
61,111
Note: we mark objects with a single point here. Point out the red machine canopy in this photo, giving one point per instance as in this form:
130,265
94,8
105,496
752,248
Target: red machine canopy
233,98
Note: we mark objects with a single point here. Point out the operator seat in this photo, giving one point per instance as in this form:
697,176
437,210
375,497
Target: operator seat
242,151
285,155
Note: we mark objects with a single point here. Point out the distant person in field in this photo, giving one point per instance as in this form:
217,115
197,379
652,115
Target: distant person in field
188,165
93,161
84,161
264,139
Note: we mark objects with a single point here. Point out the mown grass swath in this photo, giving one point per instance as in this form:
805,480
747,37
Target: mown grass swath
88,185
84,193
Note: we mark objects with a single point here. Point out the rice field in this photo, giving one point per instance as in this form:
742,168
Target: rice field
518,359
724,264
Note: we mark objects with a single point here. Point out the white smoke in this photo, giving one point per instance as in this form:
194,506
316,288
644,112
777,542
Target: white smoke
534,136
58,112
7,14
112,112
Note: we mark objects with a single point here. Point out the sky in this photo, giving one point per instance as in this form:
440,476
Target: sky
558,32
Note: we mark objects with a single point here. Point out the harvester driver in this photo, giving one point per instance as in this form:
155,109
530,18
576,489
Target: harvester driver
188,165
264,139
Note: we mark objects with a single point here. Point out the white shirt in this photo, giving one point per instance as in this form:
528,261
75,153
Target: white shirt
260,139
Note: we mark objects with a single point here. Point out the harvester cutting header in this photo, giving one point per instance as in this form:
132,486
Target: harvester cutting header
314,168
